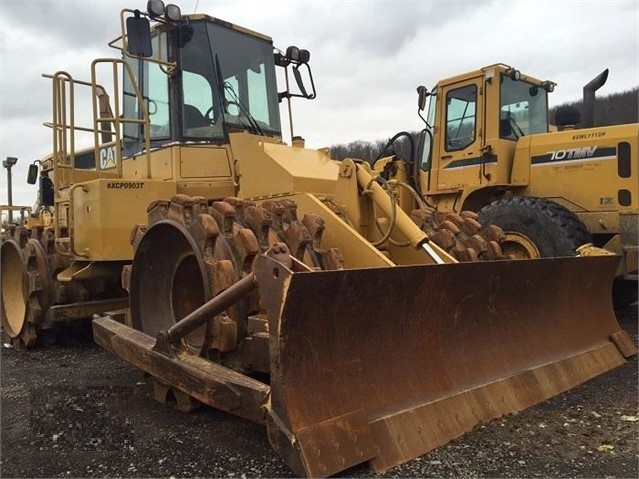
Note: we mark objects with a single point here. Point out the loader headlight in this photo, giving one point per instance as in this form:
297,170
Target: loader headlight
514,74
155,8
548,86
305,56
297,55
172,13
293,53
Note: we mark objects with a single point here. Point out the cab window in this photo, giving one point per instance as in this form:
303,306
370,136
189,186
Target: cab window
523,109
461,118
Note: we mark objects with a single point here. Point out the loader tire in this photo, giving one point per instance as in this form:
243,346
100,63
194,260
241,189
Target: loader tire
193,248
624,293
24,272
29,264
535,227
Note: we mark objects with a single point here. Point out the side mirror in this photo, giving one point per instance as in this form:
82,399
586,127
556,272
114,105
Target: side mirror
299,81
422,92
138,34
32,174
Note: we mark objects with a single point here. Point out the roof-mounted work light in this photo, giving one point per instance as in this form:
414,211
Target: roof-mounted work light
514,74
297,55
172,13
157,10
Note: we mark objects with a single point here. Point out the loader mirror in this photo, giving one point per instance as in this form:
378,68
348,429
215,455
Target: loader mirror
138,33
422,91
299,81
32,174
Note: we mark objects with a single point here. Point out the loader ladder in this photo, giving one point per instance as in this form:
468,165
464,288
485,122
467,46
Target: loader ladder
106,129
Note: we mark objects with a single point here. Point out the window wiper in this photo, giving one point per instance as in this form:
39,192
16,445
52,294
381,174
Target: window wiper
219,84
512,121
242,109
521,132
223,87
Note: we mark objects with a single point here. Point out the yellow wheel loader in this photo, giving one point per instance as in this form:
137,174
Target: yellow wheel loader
274,283
489,147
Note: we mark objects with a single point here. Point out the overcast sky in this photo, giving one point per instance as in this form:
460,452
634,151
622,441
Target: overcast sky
367,57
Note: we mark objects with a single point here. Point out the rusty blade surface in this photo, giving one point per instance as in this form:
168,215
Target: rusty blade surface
386,364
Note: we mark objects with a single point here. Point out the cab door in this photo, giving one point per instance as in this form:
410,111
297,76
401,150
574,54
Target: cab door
459,148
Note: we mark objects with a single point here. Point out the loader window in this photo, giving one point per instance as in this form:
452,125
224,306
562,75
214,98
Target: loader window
460,117
198,99
154,86
229,79
523,109
157,102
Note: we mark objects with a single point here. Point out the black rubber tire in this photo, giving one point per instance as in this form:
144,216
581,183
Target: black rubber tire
624,293
553,229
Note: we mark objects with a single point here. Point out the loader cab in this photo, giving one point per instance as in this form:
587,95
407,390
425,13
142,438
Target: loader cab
473,124
202,79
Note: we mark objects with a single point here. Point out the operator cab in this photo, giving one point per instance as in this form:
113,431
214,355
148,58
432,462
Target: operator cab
202,78
467,118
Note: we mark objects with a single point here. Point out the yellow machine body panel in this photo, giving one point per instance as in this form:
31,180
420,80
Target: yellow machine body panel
196,170
203,162
105,211
267,167
590,172
159,165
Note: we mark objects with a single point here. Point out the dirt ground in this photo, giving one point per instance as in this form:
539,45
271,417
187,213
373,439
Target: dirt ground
76,411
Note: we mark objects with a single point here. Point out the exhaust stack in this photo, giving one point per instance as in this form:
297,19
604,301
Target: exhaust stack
589,98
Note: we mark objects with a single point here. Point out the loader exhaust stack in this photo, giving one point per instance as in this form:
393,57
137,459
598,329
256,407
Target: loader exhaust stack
589,98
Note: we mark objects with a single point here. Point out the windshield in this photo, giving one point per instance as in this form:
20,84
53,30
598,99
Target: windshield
228,82
523,109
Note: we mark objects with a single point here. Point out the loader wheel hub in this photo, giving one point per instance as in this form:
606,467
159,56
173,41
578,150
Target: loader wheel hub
186,296
167,283
518,246
14,304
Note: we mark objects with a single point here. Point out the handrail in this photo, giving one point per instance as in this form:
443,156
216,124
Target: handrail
106,123
116,119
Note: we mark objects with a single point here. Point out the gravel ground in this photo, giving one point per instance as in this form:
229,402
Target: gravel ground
77,411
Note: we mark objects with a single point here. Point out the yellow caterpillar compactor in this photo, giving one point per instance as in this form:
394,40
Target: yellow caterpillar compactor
488,147
277,284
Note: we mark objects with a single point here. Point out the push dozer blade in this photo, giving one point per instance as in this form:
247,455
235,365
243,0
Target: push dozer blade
387,364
